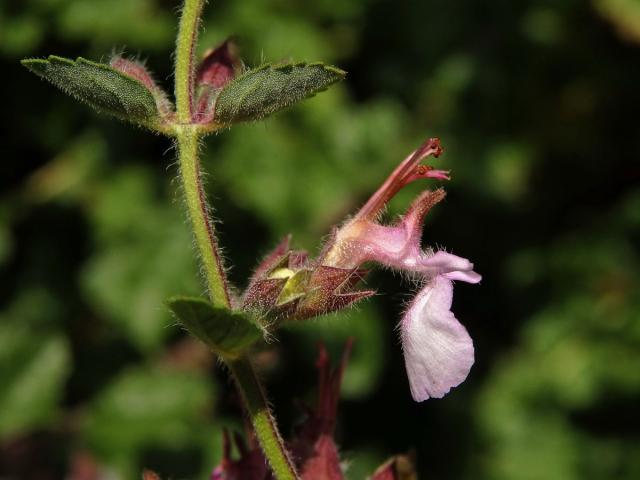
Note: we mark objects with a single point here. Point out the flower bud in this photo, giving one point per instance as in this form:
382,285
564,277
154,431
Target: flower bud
218,67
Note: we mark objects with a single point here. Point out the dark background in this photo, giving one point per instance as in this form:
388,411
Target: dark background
536,103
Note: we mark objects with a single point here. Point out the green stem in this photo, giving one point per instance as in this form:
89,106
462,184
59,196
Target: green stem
185,53
263,422
187,135
201,222
252,392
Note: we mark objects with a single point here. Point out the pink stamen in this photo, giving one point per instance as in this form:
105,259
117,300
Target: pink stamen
405,173
427,171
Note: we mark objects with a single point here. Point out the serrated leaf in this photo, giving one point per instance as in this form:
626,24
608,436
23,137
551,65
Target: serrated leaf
267,89
102,87
227,333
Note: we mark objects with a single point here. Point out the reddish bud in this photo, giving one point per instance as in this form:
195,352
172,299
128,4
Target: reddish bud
218,67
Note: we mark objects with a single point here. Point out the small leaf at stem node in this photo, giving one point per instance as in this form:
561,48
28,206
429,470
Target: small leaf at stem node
228,333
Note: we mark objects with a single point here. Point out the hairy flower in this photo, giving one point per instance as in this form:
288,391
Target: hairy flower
437,349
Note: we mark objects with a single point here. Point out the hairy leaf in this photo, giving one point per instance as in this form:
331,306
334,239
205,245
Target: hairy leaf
99,85
227,333
267,89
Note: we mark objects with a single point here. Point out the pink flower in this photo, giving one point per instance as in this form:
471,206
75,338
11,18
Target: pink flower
438,351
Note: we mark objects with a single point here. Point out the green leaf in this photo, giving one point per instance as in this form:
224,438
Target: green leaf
102,87
267,89
227,333
33,370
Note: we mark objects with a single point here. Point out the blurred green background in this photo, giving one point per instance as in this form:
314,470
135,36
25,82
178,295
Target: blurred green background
536,103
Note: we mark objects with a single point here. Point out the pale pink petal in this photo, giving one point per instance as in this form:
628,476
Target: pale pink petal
438,351
469,277
447,262
449,265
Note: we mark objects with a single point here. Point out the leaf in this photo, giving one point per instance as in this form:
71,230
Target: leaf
227,333
33,370
267,89
102,87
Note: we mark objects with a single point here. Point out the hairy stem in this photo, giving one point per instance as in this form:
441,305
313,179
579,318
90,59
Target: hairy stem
263,422
252,392
187,136
201,222
185,53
